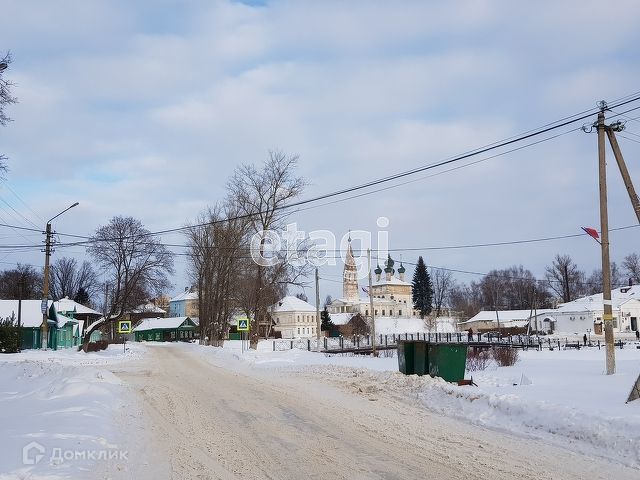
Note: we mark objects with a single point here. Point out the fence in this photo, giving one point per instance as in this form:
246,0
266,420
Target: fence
363,343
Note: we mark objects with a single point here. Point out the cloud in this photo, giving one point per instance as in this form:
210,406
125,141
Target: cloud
143,108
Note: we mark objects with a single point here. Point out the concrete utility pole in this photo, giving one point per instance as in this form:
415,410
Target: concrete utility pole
45,290
607,316
373,316
318,323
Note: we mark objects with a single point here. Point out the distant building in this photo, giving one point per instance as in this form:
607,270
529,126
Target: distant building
294,318
184,304
392,295
586,313
171,329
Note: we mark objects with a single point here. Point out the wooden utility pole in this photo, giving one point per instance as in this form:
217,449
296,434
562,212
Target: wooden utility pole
373,316
607,316
635,202
318,323
44,328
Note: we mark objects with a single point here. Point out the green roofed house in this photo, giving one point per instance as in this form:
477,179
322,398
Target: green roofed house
62,331
172,329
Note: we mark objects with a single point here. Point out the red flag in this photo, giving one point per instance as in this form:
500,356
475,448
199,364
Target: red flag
592,232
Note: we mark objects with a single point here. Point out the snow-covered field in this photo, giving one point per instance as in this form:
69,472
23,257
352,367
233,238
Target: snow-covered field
566,399
57,411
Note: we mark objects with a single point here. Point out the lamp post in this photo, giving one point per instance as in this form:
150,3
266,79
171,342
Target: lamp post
45,291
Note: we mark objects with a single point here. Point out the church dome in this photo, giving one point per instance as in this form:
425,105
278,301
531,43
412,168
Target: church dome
401,269
389,263
378,270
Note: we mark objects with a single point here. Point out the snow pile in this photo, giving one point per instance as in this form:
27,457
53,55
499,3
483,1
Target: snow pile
57,413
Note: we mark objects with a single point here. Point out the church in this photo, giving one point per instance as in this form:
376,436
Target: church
391,294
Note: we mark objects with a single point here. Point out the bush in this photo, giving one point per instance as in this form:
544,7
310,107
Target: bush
9,336
97,346
505,356
477,359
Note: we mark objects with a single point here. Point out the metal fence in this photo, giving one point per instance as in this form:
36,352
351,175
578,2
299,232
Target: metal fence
363,343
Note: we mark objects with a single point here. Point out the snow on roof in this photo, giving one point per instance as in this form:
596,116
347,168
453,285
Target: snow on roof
67,305
31,315
148,308
160,323
393,281
504,316
619,296
188,295
341,318
292,304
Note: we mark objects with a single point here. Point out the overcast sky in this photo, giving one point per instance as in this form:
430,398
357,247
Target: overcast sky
144,108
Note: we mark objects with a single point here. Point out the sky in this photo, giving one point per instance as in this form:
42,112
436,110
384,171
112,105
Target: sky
145,108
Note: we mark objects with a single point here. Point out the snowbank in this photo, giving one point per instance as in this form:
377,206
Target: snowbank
57,413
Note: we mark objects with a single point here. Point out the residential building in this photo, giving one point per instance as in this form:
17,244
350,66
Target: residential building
184,304
171,329
294,318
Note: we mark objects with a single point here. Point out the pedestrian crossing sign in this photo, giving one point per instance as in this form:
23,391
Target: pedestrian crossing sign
124,326
243,324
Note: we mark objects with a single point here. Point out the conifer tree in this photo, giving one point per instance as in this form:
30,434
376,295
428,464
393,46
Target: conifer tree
422,289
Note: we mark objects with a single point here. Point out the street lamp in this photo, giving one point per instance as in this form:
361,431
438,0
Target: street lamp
45,290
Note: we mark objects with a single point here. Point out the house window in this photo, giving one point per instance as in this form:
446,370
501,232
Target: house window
173,334
383,313
376,312
399,312
298,317
298,330
366,312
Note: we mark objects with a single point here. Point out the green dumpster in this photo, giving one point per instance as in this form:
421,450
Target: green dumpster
406,357
447,361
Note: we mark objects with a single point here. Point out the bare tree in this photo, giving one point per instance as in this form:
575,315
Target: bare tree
593,284
565,278
6,98
23,281
215,264
68,279
261,194
631,266
134,262
442,281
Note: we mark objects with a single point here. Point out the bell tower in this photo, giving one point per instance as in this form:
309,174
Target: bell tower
350,276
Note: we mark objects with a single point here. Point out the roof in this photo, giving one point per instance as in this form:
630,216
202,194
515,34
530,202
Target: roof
148,308
30,315
67,305
505,316
161,323
341,318
292,304
188,295
393,281
619,296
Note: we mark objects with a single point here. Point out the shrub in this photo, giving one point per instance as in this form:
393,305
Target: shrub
477,359
505,356
97,346
9,336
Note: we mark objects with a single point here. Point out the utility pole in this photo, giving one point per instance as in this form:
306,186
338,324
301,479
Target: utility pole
622,166
318,324
607,316
373,316
20,294
45,291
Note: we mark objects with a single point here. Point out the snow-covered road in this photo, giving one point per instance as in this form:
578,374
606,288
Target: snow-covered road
208,418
